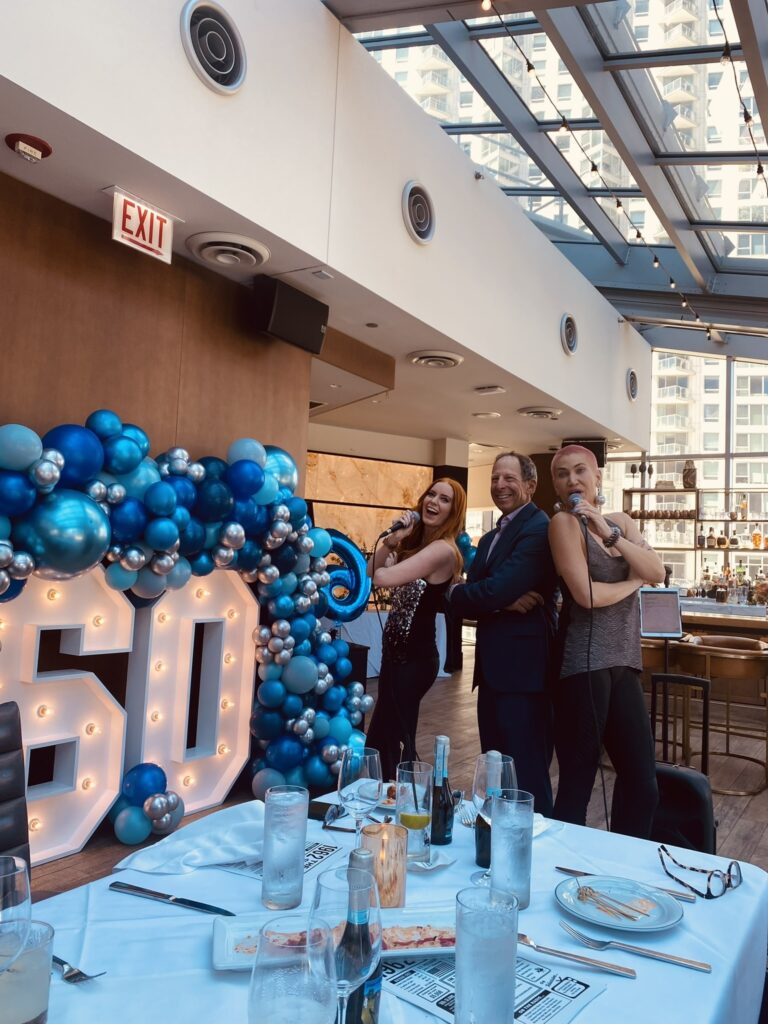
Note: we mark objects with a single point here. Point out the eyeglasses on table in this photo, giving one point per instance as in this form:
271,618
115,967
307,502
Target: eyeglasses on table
718,882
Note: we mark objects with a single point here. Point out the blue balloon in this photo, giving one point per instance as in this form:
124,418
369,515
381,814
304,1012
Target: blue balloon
322,607
132,826
143,780
82,451
271,671
160,499
334,698
268,491
215,468
212,531
13,590
247,448
341,647
149,584
300,675
179,575
469,557
317,773
19,447
181,517
342,668
66,533
161,534
356,740
202,564
300,630
298,509
138,435
252,517
119,578
340,729
322,541
304,648
121,455
351,579
284,753
104,423
264,780
192,537
186,492
17,493
296,776
271,693
120,804
281,607
256,764
322,726
285,558
129,520
292,705
249,556
282,467
326,653
244,477
5,527
214,501
139,479
266,724
290,582
463,541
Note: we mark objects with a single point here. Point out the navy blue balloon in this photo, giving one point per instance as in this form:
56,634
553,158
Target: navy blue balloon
202,564
285,558
142,781
292,705
160,499
66,533
161,534
317,773
82,451
266,724
14,590
244,477
284,753
104,423
214,501
186,492
300,630
323,607
214,467
298,509
121,455
129,520
192,538
138,435
17,493
249,556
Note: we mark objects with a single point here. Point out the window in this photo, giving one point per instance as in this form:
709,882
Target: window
713,133
710,469
713,79
641,33
465,99
561,68
715,29
564,92
715,187
401,53
711,442
401,77
711,413
563,143
745,188
537,94
641,8
711,385
539,41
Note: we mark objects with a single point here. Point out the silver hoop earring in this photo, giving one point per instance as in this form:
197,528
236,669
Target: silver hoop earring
600,499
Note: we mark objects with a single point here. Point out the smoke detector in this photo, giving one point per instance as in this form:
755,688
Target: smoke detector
633,385
540,412
489,389
235,254
418,213
435,360
213,46
569,336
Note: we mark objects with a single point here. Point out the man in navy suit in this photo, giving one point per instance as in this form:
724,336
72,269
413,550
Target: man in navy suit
510,593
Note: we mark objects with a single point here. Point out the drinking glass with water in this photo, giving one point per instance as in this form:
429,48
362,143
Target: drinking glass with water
285,835
360,784
512,844
486,949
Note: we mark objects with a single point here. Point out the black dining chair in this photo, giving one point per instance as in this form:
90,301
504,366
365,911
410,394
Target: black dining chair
14,835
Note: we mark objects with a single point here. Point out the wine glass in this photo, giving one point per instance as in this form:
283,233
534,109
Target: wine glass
360,784
15,906
493,772
294,973
348,899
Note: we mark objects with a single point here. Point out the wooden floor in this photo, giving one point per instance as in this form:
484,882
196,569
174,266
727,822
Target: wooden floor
450,708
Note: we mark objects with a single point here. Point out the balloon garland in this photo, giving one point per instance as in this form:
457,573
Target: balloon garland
86,494
145,806
466,549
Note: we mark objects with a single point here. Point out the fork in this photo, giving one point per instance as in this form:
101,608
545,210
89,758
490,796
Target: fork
625,972
466,817
73,974
587,940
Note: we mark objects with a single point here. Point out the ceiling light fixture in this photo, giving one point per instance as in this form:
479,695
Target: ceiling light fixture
435,359
540,412
371,324
487,415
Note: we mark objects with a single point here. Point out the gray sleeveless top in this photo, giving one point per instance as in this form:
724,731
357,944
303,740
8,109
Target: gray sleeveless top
616,628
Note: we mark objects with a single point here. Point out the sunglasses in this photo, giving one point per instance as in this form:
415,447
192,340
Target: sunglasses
717,881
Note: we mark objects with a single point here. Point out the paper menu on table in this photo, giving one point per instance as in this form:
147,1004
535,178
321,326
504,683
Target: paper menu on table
315,854
543,995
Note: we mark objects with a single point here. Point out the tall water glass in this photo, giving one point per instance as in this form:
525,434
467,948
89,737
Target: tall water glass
413,807
512,844
493,772
486,949
285,836
359,784
294,976
15,906
24,988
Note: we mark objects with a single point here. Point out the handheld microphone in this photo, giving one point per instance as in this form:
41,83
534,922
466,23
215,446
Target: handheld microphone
574,500
402,523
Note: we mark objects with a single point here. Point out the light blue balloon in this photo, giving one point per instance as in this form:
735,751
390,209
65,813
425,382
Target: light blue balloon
148,584
119,578
5,527
356,739
132,826
290,582
268,492
161,533
271,671
280,463
247,448
19,447
340,729
138,435
138,480
66,533
120,804
179,575
300,675
322,540
121,455
264,779
322,726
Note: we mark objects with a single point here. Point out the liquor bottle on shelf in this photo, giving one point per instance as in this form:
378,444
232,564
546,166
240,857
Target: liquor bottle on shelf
743,506
740,570
442,797
363,1004
734,540
711,538
757,537
700,538
722,540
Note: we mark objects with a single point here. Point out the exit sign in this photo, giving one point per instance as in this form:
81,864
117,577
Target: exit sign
142,226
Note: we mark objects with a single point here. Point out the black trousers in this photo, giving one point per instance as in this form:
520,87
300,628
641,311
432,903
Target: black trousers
396,714
613,715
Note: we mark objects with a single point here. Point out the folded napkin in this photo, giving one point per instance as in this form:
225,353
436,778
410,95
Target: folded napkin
540,824
437,859
225,837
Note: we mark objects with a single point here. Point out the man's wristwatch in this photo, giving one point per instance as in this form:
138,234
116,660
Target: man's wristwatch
615,536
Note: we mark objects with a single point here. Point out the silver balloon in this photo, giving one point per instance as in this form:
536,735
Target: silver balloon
269,574
275,644
335,768
314,598
289,643
175,546
279,529
356,689
308,587
175,556
366,704
44,473
325,637
343,747
162,564
114,553
301,604
289,724
319,565
309,714
262,635
283,657
97,490
5,582
196,472
322,670
281,628
177,453
273,543
6,553
282,512
330,680
162,826
292,537
265,560
305,544
304,528
315,577
355,717
263,656
173,800
178,467
300,726
116,493
22,566
308,737
164,469
321,687
248,575
232,535
330,753
156,806
105,507
325,579
302,563
53,455
133,559
222,556
353,703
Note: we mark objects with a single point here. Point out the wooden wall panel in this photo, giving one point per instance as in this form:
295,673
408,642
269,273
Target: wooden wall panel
87,323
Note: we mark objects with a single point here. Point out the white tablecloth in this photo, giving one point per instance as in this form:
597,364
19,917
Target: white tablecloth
158,957
367,631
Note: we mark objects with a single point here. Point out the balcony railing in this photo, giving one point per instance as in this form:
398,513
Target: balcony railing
671,35
670,449
679,85
677,422
685,9
674,363
674,391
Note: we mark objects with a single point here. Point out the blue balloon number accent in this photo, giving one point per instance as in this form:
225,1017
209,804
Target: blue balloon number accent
351,579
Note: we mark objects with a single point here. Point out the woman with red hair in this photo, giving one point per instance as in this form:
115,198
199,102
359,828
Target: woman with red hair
602,561
418,562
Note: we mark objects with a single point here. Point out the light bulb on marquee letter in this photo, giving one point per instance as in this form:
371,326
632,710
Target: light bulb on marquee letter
164,617
92,729
87,783
229,659
53,594
156,716
35,824
98,620
44,711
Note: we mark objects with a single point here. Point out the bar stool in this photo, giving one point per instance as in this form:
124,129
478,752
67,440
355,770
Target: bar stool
731,663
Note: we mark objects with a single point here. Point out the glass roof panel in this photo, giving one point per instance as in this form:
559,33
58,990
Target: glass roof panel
405,30
629,26
492,20
554,79
599,148
503,159
743,250
636,215
727,192
557,211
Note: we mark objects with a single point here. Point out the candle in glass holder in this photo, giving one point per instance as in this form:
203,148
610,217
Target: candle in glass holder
389,845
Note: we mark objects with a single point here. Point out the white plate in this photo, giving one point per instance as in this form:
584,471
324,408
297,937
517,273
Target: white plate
235,940
663,911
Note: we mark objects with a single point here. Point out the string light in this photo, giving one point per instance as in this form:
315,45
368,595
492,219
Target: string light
709,334
486,5
92,729
672,283
564,126
53,594
530,67
683,301
618,204
725,56
656,261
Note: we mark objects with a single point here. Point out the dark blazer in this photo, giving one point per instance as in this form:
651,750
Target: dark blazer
513,651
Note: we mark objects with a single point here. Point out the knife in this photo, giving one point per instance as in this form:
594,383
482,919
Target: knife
163,897
338,828
684,897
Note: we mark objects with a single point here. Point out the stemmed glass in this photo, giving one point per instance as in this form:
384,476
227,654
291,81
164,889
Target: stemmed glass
294,973
493,772
360,784
348,899
15,906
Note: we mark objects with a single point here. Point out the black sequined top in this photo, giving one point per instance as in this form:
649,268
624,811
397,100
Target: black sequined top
409,632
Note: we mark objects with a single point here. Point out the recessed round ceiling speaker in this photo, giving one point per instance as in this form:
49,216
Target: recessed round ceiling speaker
435,359
569,337
633,387
418,213
224,251
213,46
540,412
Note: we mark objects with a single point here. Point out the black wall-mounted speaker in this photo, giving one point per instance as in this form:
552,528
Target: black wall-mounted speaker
286,313
596,445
